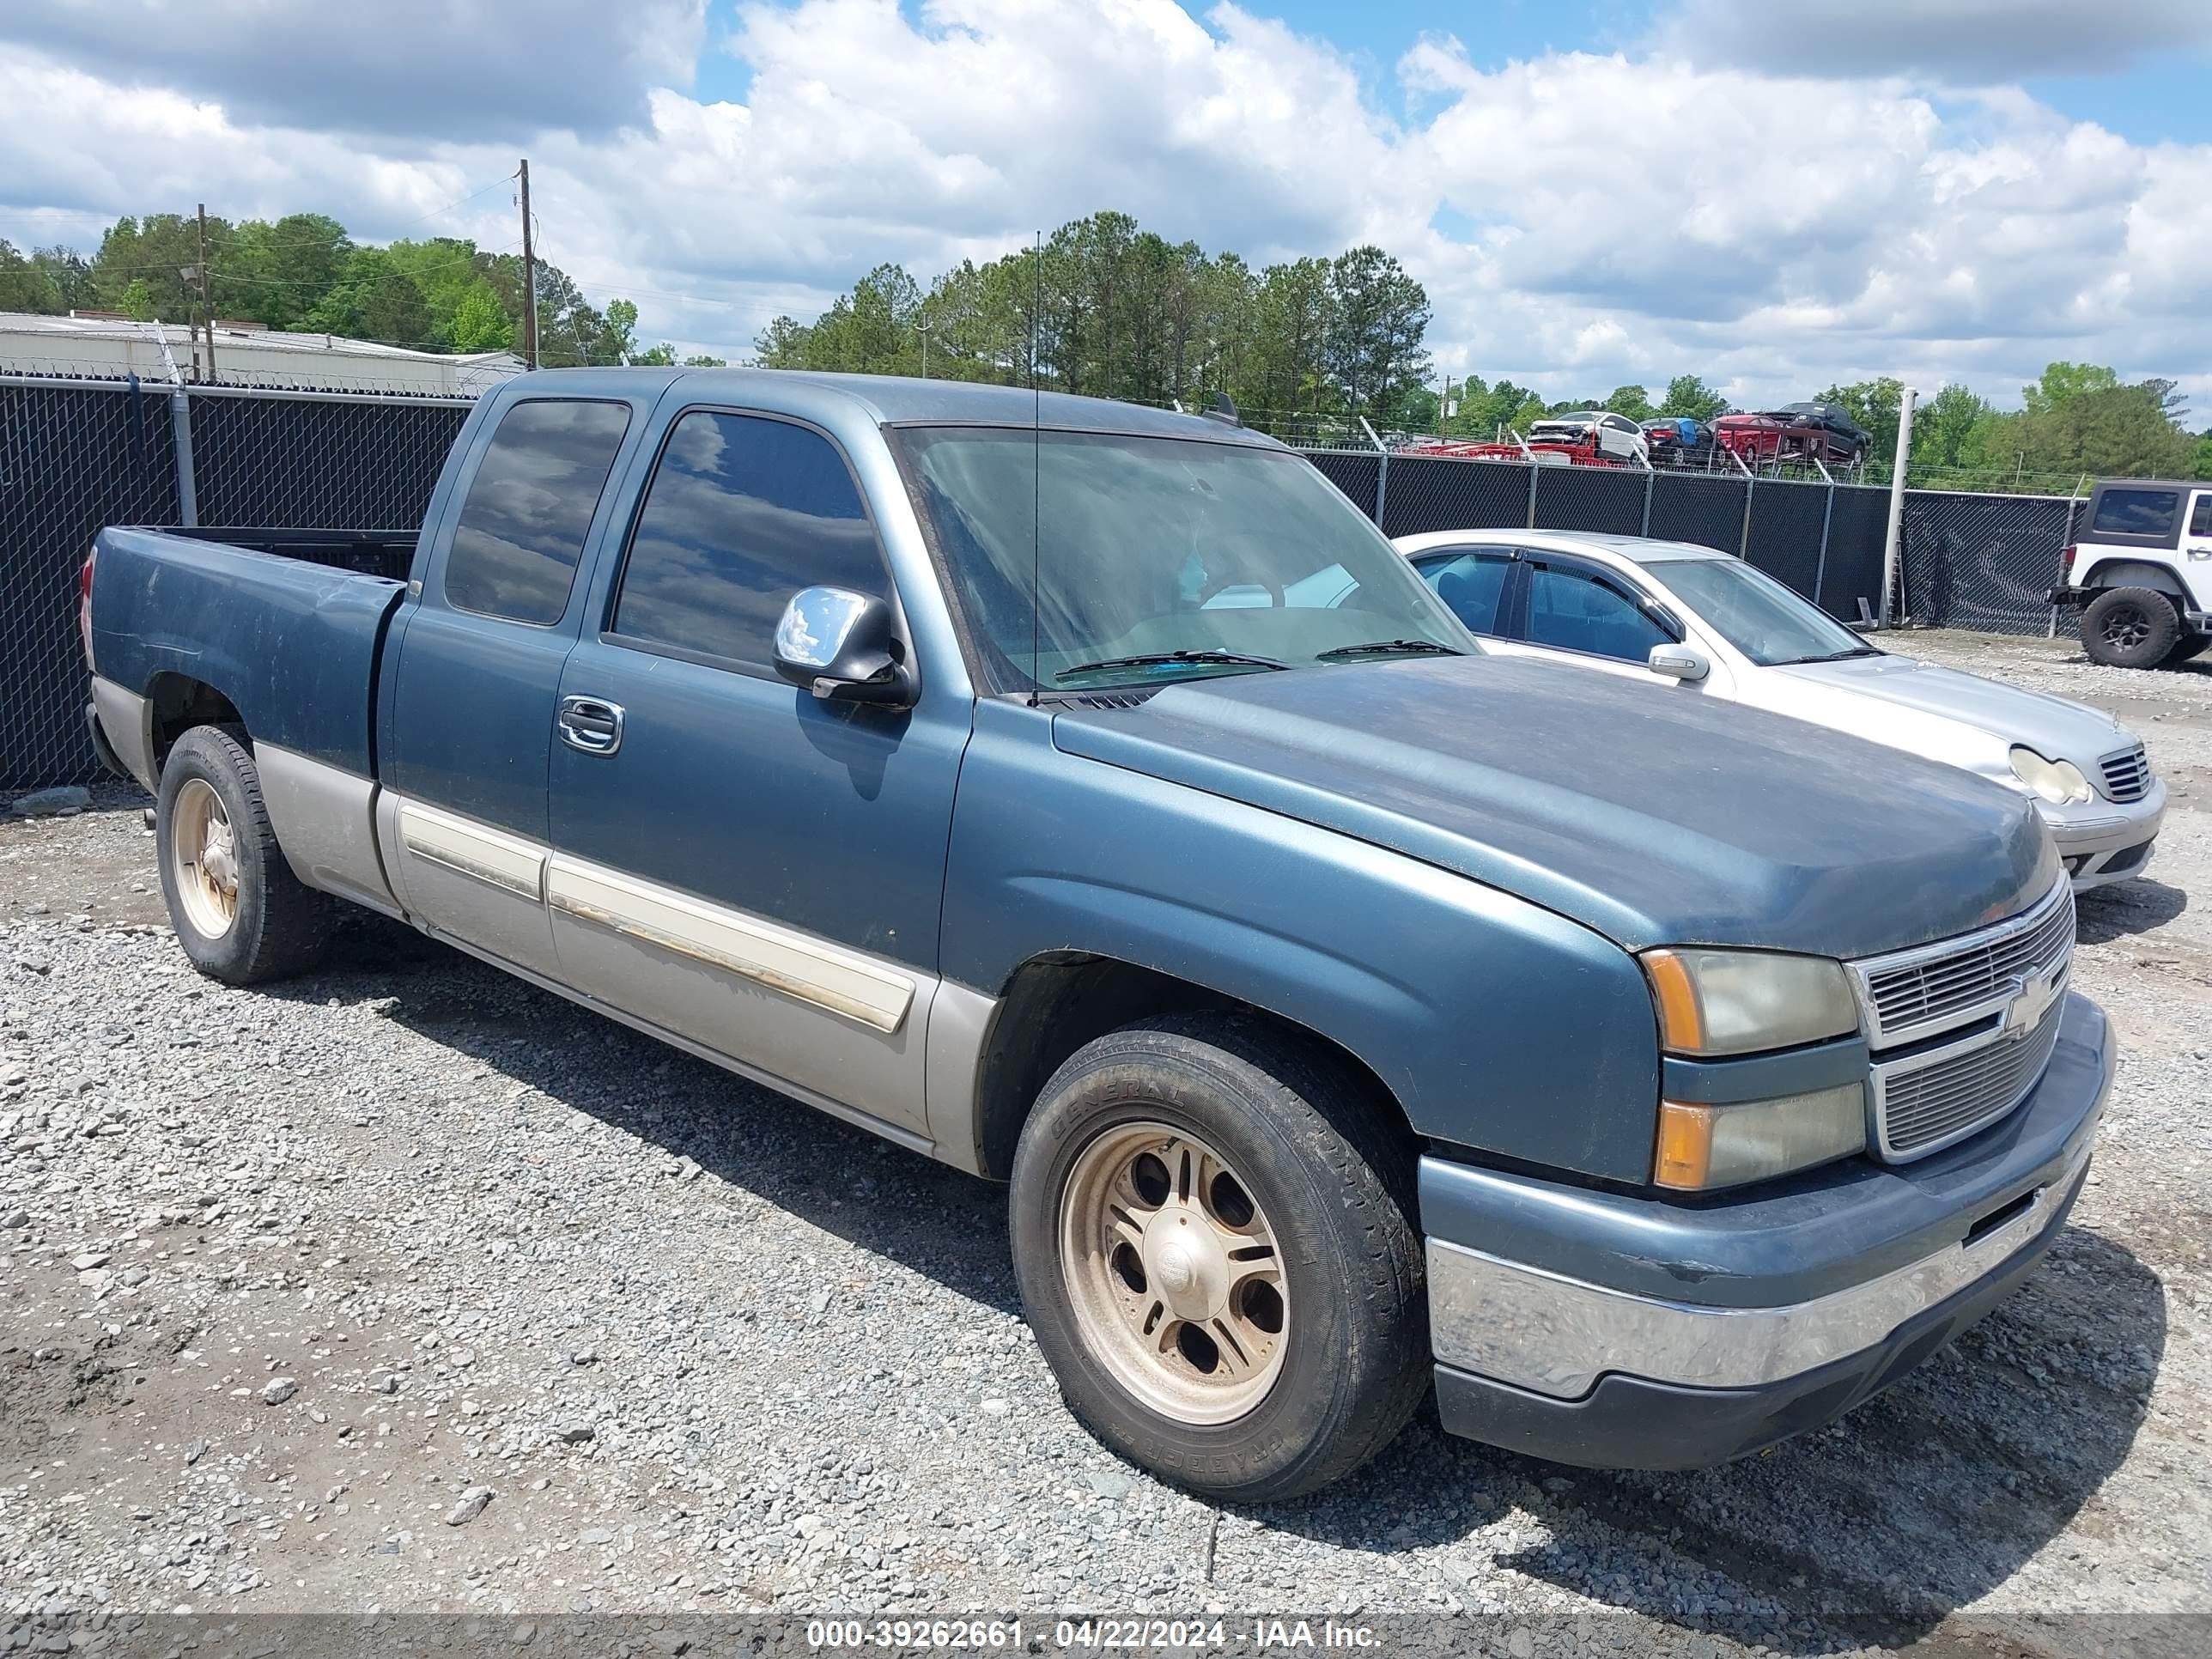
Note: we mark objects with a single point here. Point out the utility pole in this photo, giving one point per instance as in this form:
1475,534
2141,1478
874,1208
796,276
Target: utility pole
1893,551
207,300
529,277
923,328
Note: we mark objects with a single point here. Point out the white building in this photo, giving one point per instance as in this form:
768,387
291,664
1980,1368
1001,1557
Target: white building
109,347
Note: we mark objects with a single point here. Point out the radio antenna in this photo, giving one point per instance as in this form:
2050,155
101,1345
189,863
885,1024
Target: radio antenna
1037,470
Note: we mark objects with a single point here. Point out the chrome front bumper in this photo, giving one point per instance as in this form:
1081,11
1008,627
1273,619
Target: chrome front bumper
1555,1336
1615,1331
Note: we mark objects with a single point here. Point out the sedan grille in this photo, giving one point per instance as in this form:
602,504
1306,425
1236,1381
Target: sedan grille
1943,984
1922,1110
2127,775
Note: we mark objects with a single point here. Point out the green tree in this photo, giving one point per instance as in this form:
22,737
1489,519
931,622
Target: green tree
2202,467
277,273
71,273
27,285
1286,370
1688,397
2061,383
1954,429
155,254
478,323
1632,401
137,301
1379,317
2107,431
374,300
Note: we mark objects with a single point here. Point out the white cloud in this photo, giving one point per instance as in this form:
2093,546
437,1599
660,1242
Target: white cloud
1624,219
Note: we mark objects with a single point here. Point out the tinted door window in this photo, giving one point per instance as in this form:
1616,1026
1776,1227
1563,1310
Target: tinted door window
2200,520
2137,512
1574,612
1472,585
742,513
529,508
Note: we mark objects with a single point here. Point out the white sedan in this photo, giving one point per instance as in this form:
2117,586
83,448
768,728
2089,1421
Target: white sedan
1708,624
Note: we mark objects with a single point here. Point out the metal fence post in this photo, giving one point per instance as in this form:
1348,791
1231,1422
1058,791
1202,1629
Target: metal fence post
1828,518
1382,472
1534,473
1650,478
180,425
1743,545
1893,544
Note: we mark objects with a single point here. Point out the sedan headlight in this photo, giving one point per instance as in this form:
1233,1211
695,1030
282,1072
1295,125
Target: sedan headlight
1740,1002
2059,782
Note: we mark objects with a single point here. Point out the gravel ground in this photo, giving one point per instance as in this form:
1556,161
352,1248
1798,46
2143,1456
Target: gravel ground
407,1287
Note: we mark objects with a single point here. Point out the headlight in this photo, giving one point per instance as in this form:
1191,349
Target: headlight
1739,1002
2059,782
1705,1147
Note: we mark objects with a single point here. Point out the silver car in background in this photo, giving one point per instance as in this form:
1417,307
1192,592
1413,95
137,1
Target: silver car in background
1715,626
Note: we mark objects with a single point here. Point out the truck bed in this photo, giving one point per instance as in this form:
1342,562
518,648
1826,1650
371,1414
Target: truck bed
287,625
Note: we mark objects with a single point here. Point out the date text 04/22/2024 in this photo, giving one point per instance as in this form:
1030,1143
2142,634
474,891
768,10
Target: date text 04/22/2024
1251,1635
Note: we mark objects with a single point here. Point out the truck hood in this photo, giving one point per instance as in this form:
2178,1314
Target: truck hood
1851,695
1649,814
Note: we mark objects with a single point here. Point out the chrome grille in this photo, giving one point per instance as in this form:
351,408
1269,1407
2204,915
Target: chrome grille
2127,775
1947,1099
1924,991
1961,1029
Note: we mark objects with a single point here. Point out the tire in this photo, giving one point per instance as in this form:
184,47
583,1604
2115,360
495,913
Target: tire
1326,1175
2131,627
211,833
2192,646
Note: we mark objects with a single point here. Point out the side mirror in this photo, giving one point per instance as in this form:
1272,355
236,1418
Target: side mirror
840,645
1678,662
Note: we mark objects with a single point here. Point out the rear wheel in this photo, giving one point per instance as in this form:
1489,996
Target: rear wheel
241,914
1211,1233
2131,627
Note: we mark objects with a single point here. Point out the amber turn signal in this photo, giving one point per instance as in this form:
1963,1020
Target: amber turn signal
1684,1159
1682,1026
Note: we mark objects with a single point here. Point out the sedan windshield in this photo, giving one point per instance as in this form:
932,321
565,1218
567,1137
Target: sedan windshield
1757,615
1159,559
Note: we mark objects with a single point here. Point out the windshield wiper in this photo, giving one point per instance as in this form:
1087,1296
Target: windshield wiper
1160,659
1832,656
1390,648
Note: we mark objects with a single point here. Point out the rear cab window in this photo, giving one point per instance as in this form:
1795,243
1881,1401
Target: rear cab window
529,507
2135,513
742,512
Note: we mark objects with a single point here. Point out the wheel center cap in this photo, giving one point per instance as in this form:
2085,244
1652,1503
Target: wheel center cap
1186,1263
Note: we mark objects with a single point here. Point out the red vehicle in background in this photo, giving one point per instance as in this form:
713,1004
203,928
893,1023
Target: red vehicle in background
1796,432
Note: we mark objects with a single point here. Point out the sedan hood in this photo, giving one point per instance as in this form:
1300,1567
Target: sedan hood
1653,815
2055,728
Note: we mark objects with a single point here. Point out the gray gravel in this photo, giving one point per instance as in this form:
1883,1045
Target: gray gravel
407,1287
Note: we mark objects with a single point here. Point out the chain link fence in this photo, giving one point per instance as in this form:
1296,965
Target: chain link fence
1983,561
78,455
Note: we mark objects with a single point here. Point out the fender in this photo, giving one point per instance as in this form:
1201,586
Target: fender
1496,1024
2115,571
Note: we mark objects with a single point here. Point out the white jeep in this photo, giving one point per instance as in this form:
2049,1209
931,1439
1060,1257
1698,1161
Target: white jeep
2140,571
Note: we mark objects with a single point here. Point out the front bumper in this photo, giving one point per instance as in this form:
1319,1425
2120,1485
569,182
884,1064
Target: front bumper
1626,1332
2104,842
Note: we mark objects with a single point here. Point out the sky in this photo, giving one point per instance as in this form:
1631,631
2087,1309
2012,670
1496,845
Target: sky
1594,192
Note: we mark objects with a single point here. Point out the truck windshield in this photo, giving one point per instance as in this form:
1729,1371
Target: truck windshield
1159,559
1757,615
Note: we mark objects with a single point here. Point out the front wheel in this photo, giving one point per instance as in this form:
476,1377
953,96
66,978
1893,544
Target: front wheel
2130,627
1211,1237
241,914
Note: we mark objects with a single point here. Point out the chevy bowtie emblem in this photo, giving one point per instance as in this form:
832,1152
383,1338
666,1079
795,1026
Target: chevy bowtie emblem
2032,995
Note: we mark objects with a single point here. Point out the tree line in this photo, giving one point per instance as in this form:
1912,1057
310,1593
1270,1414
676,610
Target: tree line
1101,306
305,273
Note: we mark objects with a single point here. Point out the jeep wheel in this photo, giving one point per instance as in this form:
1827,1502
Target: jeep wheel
2131,627
1211,1235
241,914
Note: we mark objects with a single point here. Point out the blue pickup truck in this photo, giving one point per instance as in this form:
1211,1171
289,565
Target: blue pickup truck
1089,796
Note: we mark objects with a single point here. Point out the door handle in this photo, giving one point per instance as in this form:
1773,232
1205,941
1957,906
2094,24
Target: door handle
591,724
